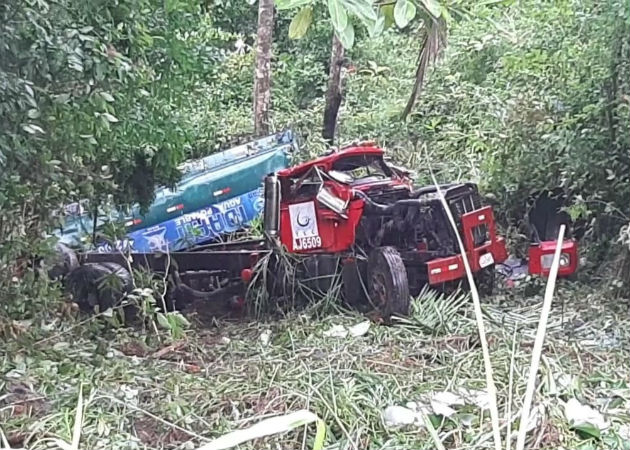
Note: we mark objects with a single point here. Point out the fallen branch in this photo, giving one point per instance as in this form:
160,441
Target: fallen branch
168,349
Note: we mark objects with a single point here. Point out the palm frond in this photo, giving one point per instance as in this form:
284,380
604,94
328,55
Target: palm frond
433,42
435,312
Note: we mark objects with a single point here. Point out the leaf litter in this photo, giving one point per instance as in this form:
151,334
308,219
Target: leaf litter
426,365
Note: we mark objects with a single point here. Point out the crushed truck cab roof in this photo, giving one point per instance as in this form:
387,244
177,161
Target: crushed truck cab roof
327,161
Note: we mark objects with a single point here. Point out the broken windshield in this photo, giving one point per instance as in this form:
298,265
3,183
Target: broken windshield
363,168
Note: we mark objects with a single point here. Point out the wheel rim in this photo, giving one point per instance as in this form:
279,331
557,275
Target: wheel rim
379,288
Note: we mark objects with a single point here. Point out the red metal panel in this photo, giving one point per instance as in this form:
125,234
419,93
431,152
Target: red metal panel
473,219
442,270
326,162
452,267
499,250
536,253
337,234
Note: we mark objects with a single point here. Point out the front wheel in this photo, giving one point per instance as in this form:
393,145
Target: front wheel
387,282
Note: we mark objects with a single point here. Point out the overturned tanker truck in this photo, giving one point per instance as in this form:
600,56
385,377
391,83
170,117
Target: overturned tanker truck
347,214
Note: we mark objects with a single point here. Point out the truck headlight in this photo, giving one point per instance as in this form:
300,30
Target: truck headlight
546,260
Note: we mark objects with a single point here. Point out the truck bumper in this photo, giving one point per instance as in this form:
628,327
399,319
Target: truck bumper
541,256
493,251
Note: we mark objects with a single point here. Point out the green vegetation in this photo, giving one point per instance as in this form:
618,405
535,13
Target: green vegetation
107,97
141,392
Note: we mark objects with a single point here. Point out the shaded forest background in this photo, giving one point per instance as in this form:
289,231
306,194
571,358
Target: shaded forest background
108,97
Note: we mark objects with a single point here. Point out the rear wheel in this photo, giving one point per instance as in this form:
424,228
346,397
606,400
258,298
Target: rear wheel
64,261
102,285
387,282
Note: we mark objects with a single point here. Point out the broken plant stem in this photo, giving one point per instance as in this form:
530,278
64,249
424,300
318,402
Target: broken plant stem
432,432
78,421
538,342
153,416
3,440
508,437
165,282
492,391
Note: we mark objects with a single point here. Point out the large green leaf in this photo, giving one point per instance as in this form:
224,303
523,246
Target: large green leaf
361,8
433,7
110,118
338,15
268,427
378,26
347,36
300,23
404,12
588,430
107,96
388,14
290,4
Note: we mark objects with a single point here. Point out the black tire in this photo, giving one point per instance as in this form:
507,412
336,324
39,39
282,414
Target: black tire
387,282
102,285
64,261
112,293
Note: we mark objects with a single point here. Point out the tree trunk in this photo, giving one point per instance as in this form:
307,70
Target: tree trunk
262,75
333,94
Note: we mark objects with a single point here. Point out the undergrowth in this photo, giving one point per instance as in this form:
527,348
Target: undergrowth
142,389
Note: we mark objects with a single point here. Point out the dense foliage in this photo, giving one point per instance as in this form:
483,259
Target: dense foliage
527,99
96,98
107,97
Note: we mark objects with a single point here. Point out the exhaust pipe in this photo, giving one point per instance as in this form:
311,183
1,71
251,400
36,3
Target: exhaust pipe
271,215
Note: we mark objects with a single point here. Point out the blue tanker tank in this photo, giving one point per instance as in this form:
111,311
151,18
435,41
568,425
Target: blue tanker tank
216,195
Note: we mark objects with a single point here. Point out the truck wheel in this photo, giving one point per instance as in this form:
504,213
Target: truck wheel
387,282
117,284
64,261
101,285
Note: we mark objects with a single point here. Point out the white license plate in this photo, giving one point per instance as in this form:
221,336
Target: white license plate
485,260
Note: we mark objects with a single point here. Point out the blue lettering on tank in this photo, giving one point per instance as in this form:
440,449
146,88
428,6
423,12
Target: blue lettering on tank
193,228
